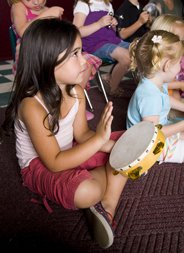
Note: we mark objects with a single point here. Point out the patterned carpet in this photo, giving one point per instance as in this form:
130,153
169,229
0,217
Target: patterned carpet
149,215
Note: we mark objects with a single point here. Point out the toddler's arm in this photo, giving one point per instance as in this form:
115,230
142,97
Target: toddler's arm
176,104
176,85
19,16
169,129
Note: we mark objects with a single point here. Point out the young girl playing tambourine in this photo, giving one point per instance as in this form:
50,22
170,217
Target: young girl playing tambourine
46,111
157,56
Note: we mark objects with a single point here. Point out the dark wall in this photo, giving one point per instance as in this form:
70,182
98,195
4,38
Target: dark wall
5,22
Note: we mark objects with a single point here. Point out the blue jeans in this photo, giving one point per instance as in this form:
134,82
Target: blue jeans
107,49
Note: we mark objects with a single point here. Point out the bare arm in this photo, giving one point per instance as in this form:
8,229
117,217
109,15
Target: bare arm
176,104
169,129
127,32
176,85
83,134
79,20
32,114
19,16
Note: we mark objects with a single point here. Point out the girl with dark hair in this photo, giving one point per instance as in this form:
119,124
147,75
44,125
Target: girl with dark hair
46,111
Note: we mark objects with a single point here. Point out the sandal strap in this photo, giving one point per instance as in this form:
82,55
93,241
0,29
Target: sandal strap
110,215
113,222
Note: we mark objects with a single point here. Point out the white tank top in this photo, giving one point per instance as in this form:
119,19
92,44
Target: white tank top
24,148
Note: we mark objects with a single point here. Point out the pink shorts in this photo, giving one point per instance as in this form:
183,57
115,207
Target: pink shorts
60,187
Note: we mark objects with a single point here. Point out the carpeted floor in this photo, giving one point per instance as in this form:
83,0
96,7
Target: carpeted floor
149,215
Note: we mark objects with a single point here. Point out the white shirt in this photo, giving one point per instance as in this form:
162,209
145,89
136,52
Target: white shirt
25,150
95,6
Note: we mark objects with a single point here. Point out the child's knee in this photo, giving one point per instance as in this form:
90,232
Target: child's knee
88,193
123,57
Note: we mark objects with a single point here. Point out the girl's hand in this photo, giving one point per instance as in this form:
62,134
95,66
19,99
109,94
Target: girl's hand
104,126
53,12
114,22
105,21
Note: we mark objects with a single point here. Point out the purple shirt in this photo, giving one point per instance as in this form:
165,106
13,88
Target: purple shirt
101,37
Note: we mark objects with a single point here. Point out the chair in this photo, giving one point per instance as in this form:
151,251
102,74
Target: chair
105,62
89,101
13,41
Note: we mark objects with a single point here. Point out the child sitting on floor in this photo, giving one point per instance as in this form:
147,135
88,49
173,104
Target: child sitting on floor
157,55
174,24
46,112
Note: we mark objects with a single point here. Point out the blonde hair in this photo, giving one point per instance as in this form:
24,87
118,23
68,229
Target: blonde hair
88,2
166,22
146,55
10,2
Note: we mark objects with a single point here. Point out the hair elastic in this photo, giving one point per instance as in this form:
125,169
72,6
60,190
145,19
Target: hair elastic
157,39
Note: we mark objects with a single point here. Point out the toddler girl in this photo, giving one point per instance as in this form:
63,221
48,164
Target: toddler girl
98,33
46,112
157,56
174,24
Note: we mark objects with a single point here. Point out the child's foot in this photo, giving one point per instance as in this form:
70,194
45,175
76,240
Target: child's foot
106,84
117,93
89,115
100,225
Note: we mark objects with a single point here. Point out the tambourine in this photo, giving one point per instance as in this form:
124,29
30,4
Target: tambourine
118,18
137,150
153,10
